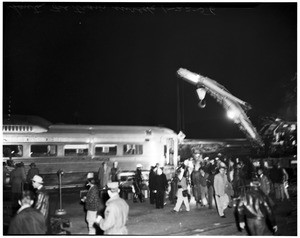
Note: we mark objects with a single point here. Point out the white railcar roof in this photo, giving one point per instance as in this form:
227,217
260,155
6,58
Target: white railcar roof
111,129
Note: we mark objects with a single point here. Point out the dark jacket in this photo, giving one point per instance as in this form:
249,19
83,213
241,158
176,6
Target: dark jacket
151,179
28,221
195,178
160,182
93,201
17,178
254,205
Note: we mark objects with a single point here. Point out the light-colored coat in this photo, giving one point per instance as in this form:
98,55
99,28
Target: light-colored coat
116,215
222,199
220,183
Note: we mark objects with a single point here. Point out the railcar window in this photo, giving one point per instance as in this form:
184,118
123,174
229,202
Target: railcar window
132,149
169,152
12,150
76,150
105,149
43,150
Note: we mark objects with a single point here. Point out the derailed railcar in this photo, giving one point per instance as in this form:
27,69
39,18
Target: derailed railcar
79,149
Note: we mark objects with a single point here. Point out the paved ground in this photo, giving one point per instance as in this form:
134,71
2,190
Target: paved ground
144,219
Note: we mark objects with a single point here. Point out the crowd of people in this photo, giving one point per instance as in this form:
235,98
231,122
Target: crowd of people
29,200
219,183
225,182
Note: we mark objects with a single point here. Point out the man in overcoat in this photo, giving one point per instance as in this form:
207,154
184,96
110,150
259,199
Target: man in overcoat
220,183
116,213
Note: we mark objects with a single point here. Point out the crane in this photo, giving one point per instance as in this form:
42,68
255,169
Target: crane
234,106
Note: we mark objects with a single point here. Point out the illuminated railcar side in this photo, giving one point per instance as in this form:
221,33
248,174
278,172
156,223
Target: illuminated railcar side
154,145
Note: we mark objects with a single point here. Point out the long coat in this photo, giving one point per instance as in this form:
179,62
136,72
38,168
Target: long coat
160,182
195,177
17,178
28,221
116,216
104,176
220,183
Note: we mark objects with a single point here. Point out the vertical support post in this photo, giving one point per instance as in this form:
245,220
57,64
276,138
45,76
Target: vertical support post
60,211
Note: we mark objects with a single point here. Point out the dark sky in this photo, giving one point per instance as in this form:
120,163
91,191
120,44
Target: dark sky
115,64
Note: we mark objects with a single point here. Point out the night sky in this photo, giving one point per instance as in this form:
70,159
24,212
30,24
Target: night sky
115,64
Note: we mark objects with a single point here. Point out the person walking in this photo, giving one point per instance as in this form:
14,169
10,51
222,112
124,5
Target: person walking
254,210
222,199
182,192
28,220
116,213
93,203
160,187
42,198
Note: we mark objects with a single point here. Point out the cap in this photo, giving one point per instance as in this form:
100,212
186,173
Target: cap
37,179
90,175
139,166
113,186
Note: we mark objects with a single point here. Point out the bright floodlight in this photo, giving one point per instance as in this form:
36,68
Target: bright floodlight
232,114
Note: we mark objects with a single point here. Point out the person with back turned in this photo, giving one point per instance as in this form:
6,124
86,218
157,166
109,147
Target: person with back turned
28,220
116,213
254,210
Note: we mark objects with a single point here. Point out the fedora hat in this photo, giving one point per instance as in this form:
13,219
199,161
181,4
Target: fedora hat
37,179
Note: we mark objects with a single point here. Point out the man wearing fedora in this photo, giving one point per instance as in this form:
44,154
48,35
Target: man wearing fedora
254,210
42,197
116,212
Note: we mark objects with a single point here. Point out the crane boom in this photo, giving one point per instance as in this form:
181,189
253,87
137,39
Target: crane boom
228,101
